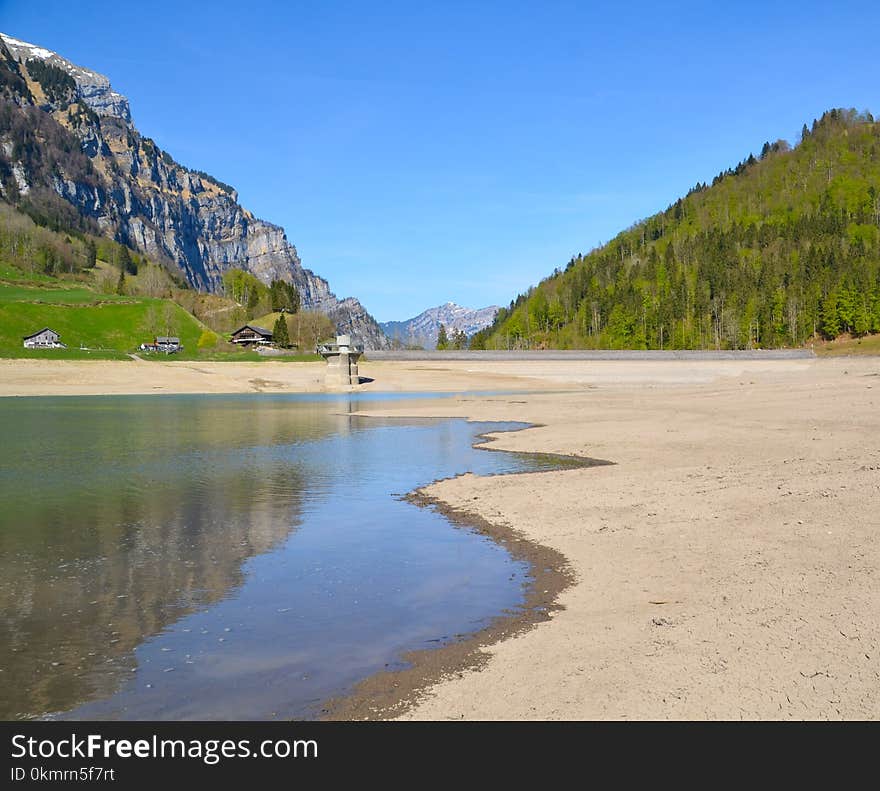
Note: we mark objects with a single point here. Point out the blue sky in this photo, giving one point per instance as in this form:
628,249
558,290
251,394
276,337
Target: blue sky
418,153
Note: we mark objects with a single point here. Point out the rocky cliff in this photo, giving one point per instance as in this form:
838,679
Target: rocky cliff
66,134
422,330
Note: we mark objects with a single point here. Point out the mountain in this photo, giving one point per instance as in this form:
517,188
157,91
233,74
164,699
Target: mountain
422,330
71,157
780,249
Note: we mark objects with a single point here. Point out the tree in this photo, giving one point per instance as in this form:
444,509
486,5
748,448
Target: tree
151,323
152,281
277,296
555,315
208,339
243,287
283,297
106,282
846,308
280,334
169,318
311,326
120,283
125,261
442,339
514,330
862,319
91,254
537,310
828,316
478,339
621,325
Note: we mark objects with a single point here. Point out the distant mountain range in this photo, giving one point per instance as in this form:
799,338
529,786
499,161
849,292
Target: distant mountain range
422,330
71,158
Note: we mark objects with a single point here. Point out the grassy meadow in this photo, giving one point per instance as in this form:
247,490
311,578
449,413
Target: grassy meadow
94,326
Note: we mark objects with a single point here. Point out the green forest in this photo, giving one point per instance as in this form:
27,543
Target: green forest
781,249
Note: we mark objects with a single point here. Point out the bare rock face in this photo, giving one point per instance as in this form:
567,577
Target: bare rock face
139,194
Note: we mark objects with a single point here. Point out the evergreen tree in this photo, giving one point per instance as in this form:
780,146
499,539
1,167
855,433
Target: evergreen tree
57,84
120,283
280,334
126,263
276,296
828,316
284,296
862,319
459,339
295,300
847,300
442,339
478,339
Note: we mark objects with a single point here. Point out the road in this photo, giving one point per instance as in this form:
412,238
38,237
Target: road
581,354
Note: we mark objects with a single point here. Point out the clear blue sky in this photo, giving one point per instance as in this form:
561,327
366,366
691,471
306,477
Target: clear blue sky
422,152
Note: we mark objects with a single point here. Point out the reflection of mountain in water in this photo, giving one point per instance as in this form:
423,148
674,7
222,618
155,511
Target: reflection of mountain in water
127,520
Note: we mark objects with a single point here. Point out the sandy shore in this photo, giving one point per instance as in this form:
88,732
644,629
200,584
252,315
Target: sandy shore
137,377
725,566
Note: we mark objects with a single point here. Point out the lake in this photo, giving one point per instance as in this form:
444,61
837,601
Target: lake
230,557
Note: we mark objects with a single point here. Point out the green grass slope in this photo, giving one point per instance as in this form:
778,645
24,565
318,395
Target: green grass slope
847,346
107,326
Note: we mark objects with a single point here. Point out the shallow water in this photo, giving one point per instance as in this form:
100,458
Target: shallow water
229,557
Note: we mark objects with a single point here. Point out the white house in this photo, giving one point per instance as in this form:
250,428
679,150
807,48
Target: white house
168,343
44,339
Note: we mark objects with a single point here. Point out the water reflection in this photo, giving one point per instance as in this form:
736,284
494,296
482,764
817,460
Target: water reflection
226,557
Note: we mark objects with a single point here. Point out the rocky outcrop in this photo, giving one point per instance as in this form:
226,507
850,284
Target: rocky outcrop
134,191
349,312
422,330
93,88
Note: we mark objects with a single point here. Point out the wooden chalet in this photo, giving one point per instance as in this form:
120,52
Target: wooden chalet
252,335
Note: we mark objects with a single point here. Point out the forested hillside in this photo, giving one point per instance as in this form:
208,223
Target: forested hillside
780,249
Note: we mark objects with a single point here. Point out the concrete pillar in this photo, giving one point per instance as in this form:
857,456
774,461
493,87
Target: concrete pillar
342,362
